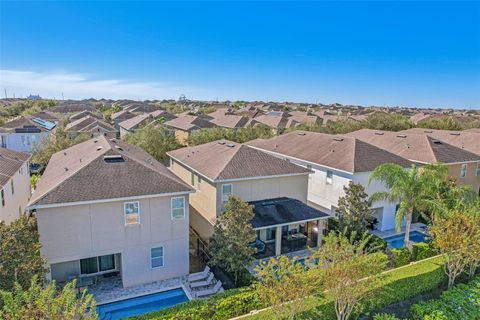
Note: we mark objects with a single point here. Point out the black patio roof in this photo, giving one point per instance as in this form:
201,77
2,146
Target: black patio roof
279,211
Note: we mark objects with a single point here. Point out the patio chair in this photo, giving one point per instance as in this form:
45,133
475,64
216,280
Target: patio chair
199,275
209,291
204,283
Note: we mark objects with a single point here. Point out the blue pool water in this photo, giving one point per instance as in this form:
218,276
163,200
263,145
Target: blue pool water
140,305
396,241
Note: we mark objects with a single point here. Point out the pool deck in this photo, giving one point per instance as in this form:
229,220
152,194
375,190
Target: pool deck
419,227
111,289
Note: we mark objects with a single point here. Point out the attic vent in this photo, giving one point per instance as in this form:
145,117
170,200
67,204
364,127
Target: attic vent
338,139
455,133
99,148
66,169
379,133
437,141
113,158
301,133
401,135
119,148
230,145
113,140
95,141
221,142
428,131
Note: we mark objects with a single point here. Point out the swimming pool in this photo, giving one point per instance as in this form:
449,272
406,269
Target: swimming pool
140,305
396,241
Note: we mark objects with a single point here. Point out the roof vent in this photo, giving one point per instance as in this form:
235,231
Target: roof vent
119,148
455,133
428,131
338,139
115,158
66,169
95,141
64,153
379,133
112,139
99,148
230,145
401,135
221,142
301,133
437,141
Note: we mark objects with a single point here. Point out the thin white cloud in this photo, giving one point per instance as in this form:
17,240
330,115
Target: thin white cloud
80,86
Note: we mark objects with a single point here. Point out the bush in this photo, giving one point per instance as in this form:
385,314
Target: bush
459,302
384,316
400,257
423,250
376,244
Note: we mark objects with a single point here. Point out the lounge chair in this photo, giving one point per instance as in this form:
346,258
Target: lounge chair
204,283
199,275
209,291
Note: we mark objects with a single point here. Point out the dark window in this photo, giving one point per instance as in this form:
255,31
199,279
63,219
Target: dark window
89,265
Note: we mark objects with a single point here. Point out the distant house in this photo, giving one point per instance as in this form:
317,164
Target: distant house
185,124
121,116
135,123
276,188
14,184
90,125
24,133
335,160
277,120
104,207
83,114
305,117
231,121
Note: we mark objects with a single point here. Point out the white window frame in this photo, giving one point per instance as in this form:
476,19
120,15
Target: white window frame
125,213
222,193
163,257
463,170
328,180
171,208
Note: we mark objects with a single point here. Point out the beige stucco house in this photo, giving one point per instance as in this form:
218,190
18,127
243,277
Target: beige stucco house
276,188
105,207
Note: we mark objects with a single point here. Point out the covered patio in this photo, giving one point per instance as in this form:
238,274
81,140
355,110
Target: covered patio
285,225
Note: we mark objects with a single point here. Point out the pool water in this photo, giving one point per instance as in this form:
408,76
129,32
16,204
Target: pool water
397,240
140,305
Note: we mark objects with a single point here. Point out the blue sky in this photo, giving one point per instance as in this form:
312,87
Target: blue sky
367,53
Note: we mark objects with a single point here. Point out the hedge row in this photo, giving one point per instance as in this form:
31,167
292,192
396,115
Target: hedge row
459,302
396,285
420,251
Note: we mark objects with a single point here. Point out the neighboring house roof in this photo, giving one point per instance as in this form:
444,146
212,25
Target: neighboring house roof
122,114
250,112
278,211
419,117
218,113
224,160
415,147
466,140
84,113
102,168
142,119
189,123
47,115
10,162
275,119
86,124
27,124
230,121
334,151
474,130
304,117
73,106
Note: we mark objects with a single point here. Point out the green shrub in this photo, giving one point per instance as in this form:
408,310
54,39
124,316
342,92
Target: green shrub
384,316
459,302
423,250
400,257
376,244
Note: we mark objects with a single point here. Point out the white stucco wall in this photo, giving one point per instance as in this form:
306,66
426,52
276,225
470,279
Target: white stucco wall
76,232
15,203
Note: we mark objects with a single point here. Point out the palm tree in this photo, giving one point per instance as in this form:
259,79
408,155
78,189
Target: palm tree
411,187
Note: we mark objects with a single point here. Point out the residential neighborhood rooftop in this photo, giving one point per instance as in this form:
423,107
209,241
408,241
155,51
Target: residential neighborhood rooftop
189,122
10,162
86,123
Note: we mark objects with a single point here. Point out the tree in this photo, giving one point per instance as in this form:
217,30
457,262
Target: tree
452,235
20,258
281,281
473,252
411,187
58,141
239,135
349,271
155,140
230,244
387,121
39,302
354,213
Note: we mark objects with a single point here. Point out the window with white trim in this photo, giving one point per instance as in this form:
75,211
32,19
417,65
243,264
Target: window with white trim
178,208
478,169
156,257
132,212
329,179
463,171
26,140
226,192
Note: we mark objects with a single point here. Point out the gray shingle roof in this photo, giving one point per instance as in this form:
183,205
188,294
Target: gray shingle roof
10,162
80,173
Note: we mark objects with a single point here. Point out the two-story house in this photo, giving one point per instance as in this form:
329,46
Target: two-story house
335,160
105,207
14,184
24,133
276,188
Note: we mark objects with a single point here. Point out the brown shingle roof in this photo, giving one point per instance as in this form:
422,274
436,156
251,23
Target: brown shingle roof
86,123
80,173
136,122
334,151
230,121
189,123
415,147
10,162
223,160
21,122
122,114
84,113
